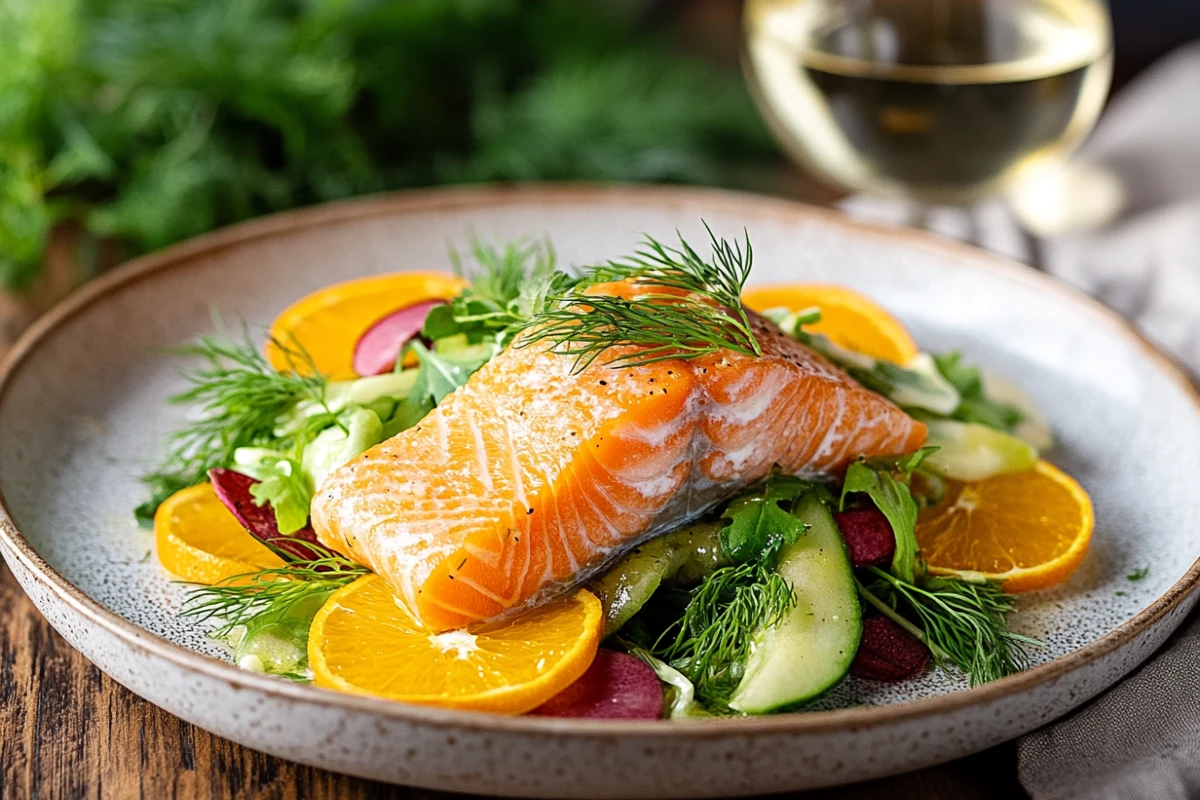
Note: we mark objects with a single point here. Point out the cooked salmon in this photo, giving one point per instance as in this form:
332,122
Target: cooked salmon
529,479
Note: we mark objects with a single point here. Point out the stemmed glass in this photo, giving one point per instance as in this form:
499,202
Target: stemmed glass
935,101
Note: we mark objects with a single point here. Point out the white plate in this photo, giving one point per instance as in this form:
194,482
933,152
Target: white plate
82,414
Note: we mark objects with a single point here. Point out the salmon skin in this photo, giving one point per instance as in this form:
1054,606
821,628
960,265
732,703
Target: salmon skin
529,479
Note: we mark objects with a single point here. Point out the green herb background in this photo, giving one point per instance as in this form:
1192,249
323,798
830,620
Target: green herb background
148,121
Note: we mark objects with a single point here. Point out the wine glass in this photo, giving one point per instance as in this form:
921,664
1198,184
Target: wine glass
936,101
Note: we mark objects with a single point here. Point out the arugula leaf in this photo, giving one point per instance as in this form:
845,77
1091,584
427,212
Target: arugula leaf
758,525
974,404
439,375
891,496
285,485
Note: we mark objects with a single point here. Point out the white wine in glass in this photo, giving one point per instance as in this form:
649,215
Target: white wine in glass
941,101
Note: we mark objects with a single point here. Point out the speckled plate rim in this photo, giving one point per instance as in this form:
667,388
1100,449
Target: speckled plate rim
465,198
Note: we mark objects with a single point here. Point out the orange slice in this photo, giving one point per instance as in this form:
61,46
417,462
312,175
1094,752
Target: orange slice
199,541
1028,530
329,322
847,317
363,641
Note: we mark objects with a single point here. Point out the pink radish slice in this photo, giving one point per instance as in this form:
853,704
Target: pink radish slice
233,490
887,652
615,686
377,349
868,536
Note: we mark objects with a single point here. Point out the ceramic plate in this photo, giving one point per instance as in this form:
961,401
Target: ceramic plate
82,414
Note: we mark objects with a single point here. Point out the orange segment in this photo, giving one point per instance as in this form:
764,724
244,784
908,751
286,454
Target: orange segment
1029,530
363,641
847,317
329,322
199,541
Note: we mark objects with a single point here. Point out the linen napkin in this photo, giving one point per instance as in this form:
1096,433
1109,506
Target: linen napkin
1133,195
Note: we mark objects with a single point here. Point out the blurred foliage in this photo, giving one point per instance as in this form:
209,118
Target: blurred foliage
153,120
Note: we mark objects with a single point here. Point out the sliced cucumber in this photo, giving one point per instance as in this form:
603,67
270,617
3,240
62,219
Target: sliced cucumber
968,451
811,649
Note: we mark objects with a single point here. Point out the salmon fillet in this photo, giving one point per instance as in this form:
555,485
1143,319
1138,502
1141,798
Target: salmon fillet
529,479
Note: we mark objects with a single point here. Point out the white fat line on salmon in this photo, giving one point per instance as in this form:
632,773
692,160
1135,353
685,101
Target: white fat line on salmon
502,600
751,408
560,528
582,493
514,464
442,434
485,474
655,436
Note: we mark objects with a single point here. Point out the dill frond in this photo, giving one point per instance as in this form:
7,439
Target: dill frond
239,599
698,310
712,639
962,623
240,397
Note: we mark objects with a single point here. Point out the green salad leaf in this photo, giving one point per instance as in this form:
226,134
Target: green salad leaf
288,489
886,483
974,404
758,524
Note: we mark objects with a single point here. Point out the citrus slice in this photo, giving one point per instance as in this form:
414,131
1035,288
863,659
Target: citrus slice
1028,530
328,323
363,641
847,317
199,541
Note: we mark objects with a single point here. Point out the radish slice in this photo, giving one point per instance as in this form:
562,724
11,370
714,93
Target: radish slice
377,349
615,686
887,652
233,490
868,536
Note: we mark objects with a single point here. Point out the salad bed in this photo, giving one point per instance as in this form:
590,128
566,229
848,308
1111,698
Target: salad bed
760,607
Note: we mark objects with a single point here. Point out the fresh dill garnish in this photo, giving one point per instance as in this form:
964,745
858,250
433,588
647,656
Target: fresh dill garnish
962,623
689,307
239,599
240,397
1137,575
710,642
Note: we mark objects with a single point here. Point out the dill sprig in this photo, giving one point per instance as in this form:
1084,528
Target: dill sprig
240,397
239,599
962,623
710,642
697,310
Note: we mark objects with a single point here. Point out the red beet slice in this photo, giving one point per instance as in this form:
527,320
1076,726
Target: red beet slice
377,349
887,652
233,489
615,686
868,536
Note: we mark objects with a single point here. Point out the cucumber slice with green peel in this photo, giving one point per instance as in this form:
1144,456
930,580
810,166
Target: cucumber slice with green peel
810,650
969,451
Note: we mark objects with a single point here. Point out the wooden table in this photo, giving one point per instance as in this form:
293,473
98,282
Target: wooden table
68,731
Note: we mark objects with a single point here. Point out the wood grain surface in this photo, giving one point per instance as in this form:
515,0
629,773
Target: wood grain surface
68,731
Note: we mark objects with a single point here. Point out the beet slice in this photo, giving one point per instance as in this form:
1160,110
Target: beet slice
887,652
868,536
615,686
233,490
377,349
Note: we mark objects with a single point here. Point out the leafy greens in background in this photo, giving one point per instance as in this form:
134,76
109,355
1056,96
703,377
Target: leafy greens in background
152,120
